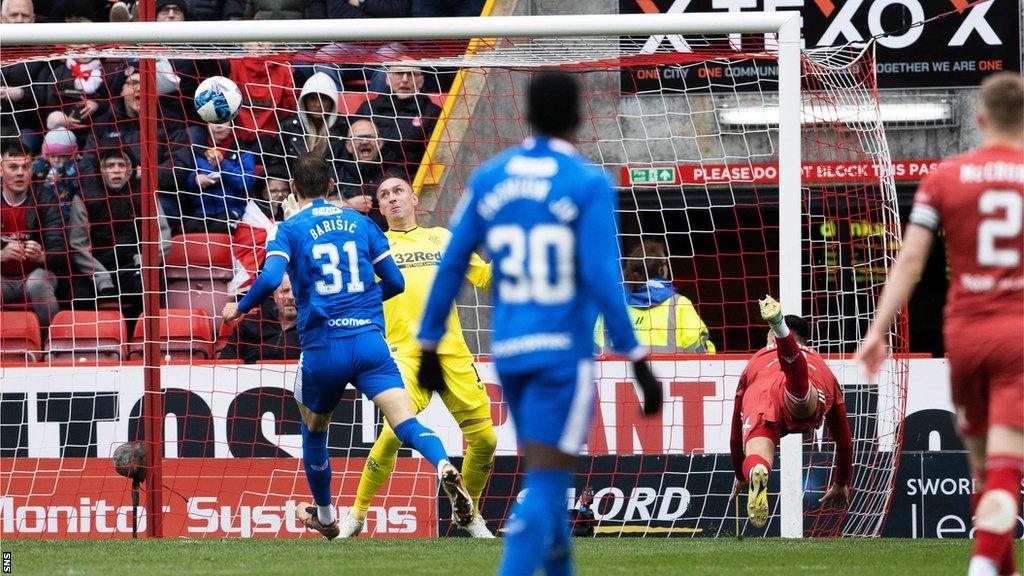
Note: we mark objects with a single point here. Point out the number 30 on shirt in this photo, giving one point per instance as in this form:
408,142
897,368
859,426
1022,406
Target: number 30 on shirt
537,265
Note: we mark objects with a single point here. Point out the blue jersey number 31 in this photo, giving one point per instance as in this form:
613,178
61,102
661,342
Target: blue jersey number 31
331,284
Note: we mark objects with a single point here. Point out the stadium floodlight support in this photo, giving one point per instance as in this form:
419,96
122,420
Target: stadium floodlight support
784,25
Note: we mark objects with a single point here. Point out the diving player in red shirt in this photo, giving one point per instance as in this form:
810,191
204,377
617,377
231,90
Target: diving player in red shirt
785,388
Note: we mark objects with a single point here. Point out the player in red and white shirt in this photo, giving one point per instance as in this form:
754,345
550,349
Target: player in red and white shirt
785,388
978,199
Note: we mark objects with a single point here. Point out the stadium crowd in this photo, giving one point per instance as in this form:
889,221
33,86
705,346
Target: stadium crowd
71,137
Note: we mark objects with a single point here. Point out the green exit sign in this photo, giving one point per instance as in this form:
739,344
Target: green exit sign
664,175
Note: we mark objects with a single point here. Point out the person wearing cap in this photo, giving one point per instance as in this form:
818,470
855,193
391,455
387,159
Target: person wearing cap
56,172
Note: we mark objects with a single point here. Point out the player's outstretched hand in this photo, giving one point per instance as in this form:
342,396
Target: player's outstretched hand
837,496
871,353
649,385
430,375
230,313
738,487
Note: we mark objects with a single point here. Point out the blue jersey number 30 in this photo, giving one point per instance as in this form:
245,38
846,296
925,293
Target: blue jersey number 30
536,265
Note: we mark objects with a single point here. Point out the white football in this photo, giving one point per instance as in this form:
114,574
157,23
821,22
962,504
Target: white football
217,99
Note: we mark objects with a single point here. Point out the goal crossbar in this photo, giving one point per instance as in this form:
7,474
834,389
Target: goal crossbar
376,29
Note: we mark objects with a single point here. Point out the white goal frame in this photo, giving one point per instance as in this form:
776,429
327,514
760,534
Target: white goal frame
784,25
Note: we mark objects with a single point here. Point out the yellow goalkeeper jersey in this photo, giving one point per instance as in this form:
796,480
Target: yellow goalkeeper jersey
418,253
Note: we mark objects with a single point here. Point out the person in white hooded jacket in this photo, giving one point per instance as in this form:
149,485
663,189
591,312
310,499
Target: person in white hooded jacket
317,126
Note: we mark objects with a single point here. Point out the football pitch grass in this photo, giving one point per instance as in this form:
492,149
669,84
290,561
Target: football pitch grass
464,557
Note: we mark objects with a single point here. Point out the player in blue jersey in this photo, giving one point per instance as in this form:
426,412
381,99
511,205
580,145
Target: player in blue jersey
331,255
547,220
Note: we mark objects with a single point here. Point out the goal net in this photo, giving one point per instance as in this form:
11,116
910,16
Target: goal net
150,220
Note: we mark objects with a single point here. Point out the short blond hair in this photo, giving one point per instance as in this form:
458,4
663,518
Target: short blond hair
1002,101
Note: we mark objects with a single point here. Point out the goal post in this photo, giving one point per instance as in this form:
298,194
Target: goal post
645,129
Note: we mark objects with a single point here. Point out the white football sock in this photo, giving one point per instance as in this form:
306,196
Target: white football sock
440,468
325,514
981,566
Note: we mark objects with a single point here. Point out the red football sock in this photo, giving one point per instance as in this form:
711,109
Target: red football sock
794,366
1009,564
753,460
1004,473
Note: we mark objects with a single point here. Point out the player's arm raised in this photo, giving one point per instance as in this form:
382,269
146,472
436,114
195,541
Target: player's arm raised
453,266
917,244
839,426
601,276
451,270
736,436
392,283
269,279
278,254
479,274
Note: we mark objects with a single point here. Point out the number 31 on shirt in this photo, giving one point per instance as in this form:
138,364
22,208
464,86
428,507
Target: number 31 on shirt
332,282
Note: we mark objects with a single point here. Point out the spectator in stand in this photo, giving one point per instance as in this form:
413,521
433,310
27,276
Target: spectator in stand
267,9
315,127
269,335
77,11
356,76
267,92
442,8
174,156
114,206
56,172
362,167
203,10
249,240
223,178
19,93
360,9
405,117
17,12
74,92
663,319
33,252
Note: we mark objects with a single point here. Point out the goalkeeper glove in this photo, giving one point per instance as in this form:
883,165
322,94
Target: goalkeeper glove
289,206
430,375
649,386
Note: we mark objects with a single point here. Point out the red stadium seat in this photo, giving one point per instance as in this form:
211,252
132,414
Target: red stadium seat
223,335
184,334
87,335
198,268
19,336
349,102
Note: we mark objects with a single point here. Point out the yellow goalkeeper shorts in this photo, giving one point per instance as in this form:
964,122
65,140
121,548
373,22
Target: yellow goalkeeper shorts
465,392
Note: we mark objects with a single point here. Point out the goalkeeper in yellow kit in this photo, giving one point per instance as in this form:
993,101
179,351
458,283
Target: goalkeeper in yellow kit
417,251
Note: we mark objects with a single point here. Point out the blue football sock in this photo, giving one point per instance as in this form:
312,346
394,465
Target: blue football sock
530,534
423,440
559,559
317,465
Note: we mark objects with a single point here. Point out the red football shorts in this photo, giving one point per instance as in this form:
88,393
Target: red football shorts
761,413
986,371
